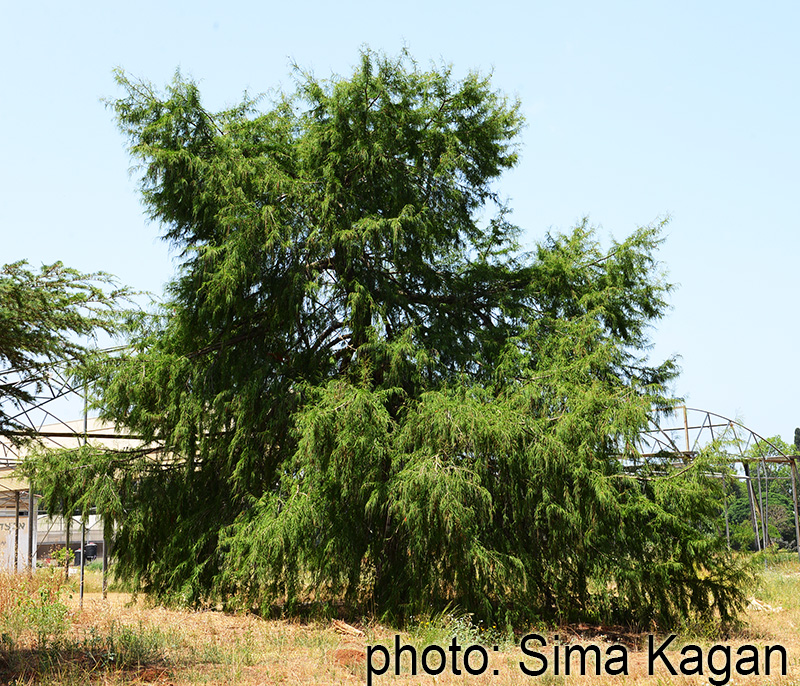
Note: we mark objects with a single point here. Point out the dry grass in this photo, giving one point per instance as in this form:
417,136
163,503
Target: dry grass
122,641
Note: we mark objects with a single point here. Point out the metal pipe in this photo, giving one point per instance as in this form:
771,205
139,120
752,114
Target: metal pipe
105,559
751,497
16,531
83,518
83,560
764,536
796,515
67,549
766,498
31,522
725,504
686,428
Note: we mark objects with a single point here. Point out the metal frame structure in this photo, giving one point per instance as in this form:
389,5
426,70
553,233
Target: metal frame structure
682,434
41,419
42,411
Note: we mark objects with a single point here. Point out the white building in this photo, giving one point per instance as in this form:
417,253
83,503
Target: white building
15,522
47,534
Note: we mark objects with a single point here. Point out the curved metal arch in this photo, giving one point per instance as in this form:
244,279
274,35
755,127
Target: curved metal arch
696,429
732,441
52,398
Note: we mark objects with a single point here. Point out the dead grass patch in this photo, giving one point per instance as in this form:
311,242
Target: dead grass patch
183,648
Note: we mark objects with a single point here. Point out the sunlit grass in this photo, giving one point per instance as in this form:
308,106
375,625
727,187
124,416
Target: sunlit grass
119,642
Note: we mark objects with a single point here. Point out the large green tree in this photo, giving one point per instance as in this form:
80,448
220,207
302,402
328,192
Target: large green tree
367,391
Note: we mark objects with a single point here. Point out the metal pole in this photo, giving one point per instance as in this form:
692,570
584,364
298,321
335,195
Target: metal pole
83,560
764,536
794,497
31,522
686,431
725,504
105,560
766,499
751,497
16,531
83,520
68,550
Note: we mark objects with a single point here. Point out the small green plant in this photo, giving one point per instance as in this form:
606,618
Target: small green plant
36,645
445,626
46,617
61,555
35,614
128,646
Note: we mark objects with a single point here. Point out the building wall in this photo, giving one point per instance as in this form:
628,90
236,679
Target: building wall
50,534
7,535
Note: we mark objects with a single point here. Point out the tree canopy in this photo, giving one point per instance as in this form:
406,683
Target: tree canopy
47,317
368,392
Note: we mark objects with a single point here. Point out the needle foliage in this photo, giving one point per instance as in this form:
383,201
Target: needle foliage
367,391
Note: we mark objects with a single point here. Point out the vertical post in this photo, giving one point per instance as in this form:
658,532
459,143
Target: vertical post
16,531
686,431
764,536
68,550
105,559
31,522
794,497
83,560
766,500
751,496
725,505
83,518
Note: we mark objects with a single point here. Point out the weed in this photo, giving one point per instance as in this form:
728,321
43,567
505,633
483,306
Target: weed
32,610
118,644
442,628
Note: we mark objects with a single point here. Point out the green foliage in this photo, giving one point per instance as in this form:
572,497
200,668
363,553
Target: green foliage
126,646
43,316
63,556
36,614
365,390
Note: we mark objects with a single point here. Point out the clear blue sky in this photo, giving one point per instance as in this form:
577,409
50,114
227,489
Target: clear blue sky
635,110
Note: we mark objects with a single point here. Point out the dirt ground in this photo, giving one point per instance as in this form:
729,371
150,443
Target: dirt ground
215,648
180,647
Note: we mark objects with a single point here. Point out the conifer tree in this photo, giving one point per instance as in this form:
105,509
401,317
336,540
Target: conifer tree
368,392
